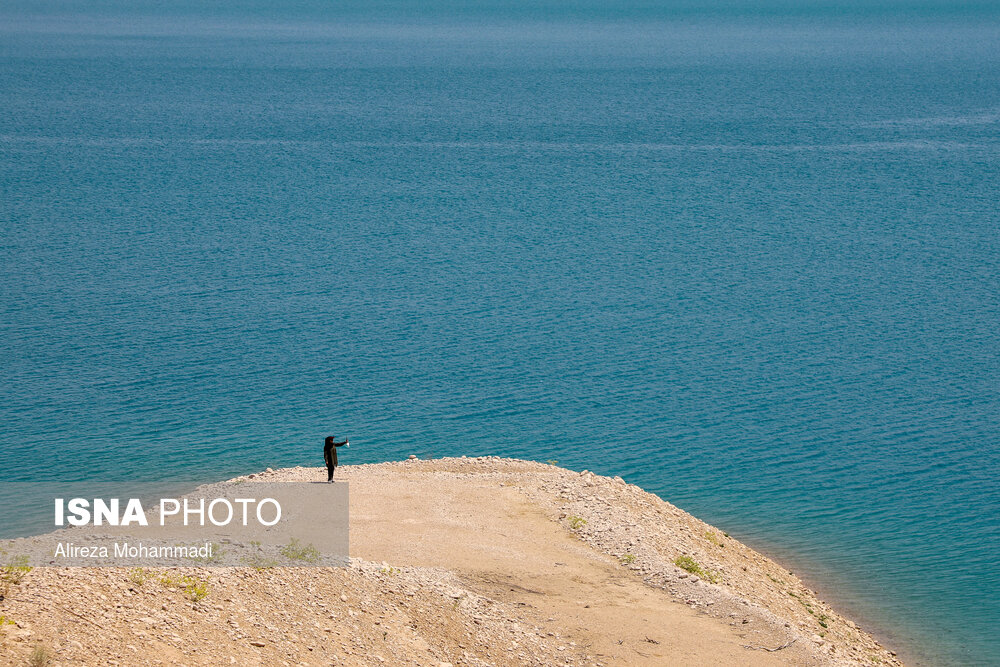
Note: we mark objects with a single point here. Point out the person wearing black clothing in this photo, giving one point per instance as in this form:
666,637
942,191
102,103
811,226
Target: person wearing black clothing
330,455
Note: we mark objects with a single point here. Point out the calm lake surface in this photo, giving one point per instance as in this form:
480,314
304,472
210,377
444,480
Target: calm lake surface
745,257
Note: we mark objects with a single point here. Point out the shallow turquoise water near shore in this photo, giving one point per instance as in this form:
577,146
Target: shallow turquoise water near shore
744,256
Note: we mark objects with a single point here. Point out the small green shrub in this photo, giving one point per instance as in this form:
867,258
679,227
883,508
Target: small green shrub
15,570
260,563
170,581
138,576
295,551
576,522
821,618
40,657
627,559
13,573
689,564
552,462
195,589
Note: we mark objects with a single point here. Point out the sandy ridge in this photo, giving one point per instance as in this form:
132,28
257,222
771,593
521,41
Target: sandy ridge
467,561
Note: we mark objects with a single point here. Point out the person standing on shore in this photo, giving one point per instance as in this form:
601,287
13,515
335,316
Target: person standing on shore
330,454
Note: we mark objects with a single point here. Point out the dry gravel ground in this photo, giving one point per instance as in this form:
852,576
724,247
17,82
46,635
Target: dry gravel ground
461,561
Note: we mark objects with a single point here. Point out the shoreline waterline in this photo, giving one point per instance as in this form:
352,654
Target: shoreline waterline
823,582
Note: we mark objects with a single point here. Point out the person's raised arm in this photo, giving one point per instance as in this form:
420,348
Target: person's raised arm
341,444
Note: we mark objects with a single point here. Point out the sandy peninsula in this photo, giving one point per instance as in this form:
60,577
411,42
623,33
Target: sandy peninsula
456,561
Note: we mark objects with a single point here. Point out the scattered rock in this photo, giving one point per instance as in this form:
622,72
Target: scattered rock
297,616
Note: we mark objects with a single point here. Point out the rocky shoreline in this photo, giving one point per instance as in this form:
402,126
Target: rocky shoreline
501,562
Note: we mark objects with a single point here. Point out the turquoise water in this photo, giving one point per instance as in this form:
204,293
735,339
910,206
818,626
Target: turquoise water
744,255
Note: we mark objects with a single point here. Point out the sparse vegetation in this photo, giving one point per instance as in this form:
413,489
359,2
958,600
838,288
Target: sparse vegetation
138,576
13,573
216,554
576,522
627,559
820,618
689,564
40,657
260,563
296,551
196,589
552,462
713,538
804,603
168,580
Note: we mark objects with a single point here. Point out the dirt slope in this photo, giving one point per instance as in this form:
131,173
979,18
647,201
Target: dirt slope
463,561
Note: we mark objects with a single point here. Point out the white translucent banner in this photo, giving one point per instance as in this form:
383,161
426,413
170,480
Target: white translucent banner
243,523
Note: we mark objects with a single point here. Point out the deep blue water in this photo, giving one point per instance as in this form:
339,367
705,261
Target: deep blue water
744,255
